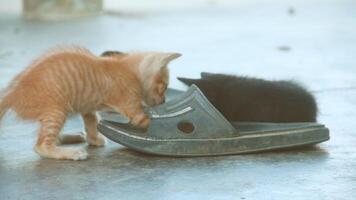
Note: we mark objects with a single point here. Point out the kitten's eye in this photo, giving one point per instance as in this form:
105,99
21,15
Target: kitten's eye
161,88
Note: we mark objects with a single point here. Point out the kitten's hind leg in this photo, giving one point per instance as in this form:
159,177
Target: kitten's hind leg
46,146
93,137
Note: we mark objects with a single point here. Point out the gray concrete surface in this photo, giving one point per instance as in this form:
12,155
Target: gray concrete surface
314,44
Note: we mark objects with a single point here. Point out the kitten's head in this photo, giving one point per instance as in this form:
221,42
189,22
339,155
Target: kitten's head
154,75
152,71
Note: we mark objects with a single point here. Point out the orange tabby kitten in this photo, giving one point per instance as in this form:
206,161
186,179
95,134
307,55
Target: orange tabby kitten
73,80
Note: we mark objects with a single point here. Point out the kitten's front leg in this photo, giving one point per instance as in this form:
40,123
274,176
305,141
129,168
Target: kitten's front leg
134,112
130,107
140,119
93,137
137,117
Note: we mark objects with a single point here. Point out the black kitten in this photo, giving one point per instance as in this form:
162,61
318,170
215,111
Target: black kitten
251,99
111,53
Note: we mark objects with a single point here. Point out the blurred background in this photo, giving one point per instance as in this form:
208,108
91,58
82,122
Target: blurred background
270,39
310,41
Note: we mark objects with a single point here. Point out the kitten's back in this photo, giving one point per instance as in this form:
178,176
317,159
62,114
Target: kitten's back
72,79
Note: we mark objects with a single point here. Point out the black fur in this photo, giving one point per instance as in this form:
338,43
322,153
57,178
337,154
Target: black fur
252,99
111,53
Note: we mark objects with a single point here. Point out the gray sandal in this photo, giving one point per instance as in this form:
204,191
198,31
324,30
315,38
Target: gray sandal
188,125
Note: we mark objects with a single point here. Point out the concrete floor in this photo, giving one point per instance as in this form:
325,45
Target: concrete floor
315,45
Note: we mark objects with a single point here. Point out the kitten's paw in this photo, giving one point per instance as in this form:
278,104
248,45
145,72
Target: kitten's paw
62,153
71,153
98,141
78,154
141,120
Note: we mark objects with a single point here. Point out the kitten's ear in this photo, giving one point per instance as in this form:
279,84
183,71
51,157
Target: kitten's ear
188,81
168,57
111,53
154,62
207,75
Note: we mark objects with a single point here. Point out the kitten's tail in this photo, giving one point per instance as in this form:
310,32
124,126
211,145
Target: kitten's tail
4,103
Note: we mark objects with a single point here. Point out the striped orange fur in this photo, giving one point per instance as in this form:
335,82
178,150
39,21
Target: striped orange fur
72,80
